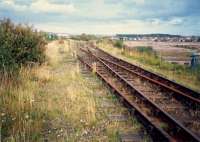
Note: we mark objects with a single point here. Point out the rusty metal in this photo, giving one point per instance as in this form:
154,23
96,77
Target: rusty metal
180,111
183,93
157,133
154,76
175,127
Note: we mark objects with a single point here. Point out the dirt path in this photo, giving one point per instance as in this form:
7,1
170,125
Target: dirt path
81,107
62,102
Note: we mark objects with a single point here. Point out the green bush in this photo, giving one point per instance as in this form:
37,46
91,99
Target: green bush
145,49
50,36
118,44
84,37
19,46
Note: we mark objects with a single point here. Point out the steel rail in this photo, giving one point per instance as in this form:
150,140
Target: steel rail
192,100
157,134
178,94
193,93
127,75
188,135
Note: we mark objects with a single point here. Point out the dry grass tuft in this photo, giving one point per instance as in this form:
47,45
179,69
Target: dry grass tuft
56,102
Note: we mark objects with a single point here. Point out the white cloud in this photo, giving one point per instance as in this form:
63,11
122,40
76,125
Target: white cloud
128,26
38,6
156,21
113,27
8,2
13,5
173,21
139,1
47,7
98,9
176,21
104,16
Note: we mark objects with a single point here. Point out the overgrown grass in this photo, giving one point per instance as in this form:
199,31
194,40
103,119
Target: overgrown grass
49,100
22,50
21,119
20,46
147,58
55,102
118,44
147,55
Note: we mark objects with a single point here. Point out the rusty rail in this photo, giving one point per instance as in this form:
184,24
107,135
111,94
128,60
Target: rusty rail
156,133
180,133
183,93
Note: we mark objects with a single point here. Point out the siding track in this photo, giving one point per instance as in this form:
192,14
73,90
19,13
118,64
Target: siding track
145,99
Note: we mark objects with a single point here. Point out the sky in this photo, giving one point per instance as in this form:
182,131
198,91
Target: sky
106,16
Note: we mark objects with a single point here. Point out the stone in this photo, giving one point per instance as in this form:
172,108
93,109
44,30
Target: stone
118,117
130,137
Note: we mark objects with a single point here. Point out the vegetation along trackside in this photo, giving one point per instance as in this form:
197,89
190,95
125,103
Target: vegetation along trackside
20,45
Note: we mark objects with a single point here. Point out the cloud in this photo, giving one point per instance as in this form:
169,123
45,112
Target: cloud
39,6
11,4
111,27
171,21
47,7
176,21
106,16
139,1
156,21
160,10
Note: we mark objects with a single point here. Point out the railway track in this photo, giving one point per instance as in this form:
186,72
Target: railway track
147,103
192,98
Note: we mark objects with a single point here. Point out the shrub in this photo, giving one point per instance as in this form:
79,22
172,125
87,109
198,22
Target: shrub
84,37
50,36
118,44
145,49
20,45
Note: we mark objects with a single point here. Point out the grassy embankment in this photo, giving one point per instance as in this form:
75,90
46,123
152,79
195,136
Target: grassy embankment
148,59
55,102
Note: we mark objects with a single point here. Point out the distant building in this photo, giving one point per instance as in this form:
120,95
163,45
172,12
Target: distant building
157,37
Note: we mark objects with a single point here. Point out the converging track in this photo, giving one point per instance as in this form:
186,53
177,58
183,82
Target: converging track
169,111
191,96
